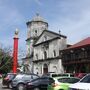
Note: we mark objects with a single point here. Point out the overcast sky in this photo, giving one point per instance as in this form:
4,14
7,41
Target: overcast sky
71,17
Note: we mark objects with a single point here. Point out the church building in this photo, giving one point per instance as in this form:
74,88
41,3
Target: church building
43,47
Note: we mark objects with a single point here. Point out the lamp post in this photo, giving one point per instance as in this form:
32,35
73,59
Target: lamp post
15,52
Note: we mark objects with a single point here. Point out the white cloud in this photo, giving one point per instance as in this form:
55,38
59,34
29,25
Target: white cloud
75,28
71,16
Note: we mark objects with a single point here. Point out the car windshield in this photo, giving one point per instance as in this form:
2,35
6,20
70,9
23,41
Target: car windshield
86,79
66,74
68,80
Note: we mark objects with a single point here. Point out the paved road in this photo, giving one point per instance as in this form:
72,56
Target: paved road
3,87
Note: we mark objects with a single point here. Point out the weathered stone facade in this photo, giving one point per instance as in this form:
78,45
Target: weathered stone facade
46,53
35,27
43,47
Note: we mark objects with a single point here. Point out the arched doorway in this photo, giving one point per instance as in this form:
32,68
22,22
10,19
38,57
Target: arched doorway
45,69
37,71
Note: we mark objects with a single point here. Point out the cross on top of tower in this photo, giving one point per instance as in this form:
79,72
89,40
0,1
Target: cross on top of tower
59,31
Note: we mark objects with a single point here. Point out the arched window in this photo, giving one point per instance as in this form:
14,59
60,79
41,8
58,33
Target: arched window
54,52
35,32
37,56
45,55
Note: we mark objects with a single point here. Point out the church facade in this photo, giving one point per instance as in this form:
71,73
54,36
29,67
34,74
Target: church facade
43,47
46,53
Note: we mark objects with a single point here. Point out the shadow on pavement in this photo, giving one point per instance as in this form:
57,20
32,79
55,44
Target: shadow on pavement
4,87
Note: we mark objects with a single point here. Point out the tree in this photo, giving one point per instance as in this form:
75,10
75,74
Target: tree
5,60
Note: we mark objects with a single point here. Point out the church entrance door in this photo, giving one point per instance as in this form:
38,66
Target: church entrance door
45,69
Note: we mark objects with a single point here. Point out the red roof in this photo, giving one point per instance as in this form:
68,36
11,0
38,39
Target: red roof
81,43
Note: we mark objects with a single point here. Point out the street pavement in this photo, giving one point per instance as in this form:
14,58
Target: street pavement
3,87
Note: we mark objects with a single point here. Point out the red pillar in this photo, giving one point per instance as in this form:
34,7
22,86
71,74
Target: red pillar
15,52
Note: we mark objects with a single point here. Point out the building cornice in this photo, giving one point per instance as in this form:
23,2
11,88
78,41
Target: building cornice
48,41
29,22
47,59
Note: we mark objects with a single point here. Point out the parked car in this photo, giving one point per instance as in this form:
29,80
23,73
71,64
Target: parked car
62,83
80,75
83,84
18,83
39,83
7,79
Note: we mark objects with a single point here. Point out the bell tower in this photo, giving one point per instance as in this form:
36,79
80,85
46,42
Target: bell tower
35,27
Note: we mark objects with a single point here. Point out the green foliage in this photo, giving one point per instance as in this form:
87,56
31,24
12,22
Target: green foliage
5,61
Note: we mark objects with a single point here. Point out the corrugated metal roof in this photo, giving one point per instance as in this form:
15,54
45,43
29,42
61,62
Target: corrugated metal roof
81,43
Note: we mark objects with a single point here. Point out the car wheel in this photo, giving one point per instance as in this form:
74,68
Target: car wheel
36,88
21,87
